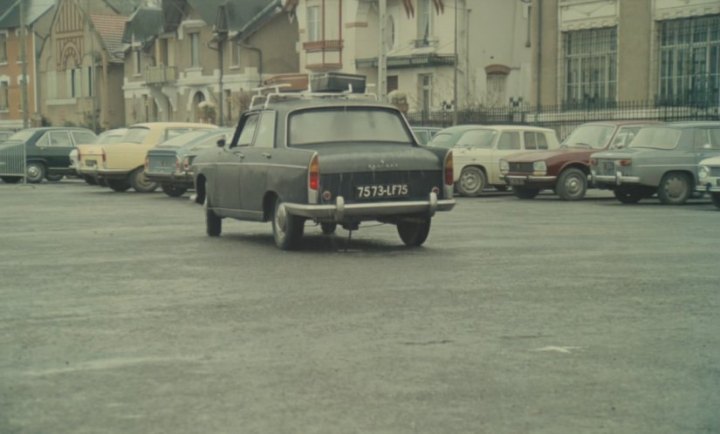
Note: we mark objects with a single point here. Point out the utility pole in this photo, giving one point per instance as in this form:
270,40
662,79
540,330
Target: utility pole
23,59
455,72
382,67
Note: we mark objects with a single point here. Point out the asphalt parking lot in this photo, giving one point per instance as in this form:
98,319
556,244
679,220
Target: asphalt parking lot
119,315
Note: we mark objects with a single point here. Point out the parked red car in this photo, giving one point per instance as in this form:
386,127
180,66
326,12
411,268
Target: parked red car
566,170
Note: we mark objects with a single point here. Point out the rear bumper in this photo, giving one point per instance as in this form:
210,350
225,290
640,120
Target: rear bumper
171,178
339,211
530,180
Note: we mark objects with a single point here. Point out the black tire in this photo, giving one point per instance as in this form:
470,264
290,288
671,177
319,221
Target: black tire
90,180
173,190
715,197
525,193
628,196
54,178
675,189
572,184
287,228
472,181
140,183
213,223
35,172
119,185
11,179
328,228
501,187
414,232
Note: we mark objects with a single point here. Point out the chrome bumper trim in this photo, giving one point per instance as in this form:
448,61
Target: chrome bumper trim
340,209
617,179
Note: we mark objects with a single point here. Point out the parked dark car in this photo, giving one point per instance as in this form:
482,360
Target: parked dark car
47,153
329,159
661,159
169,163
425,134
565,170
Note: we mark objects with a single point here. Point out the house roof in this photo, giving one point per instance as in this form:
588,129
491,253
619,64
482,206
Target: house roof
241,16
111,28
124,7
34,9
144,25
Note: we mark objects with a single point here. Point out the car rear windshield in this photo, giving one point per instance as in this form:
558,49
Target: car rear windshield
183,139
346,124
136,135
443,140
593,136
656,138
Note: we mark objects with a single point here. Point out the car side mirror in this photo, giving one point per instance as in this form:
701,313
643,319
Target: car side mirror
221,143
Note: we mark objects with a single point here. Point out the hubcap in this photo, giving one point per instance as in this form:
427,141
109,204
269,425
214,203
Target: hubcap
33,172
470,181
281,218
573,185
675,188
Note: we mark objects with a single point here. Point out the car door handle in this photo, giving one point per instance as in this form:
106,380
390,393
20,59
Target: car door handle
266,154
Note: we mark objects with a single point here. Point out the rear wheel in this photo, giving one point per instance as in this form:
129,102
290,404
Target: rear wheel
11,179
213,223
118,185
35,172
675,189
572,184
140,183
173,190
525,193
287,228
628,196
414,232
472,181
715,199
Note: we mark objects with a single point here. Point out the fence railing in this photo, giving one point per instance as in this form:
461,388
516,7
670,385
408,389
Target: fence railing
563,120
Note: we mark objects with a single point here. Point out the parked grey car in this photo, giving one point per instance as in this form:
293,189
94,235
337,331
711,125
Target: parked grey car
661,159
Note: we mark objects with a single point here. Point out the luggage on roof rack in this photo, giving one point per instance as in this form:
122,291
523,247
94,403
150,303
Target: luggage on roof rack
337,82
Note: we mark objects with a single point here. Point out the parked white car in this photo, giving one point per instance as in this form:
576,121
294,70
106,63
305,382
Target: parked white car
709,178
106,137
478,149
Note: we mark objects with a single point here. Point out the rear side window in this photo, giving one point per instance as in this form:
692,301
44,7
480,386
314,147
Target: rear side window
60,139
83,138
477,139
136,135
174,132
248,130
509,140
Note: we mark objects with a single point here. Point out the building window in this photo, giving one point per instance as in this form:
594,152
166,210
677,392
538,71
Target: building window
90,91
194,49
425,93
496,86
138,58
590,67
4,95
314,24
164,52
392,83
3,47
689,60
235,49
424,23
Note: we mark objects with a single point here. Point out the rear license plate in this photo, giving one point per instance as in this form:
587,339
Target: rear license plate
90,163
516,181
381,191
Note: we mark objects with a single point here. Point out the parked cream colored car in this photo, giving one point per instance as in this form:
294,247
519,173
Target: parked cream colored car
122,165
478,149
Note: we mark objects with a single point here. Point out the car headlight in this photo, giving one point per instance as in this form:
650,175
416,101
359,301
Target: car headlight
504,166
539,166
703,172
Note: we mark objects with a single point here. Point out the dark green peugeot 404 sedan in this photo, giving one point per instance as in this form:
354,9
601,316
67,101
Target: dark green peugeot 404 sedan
333,159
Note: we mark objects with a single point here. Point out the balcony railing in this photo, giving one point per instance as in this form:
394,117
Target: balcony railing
159,75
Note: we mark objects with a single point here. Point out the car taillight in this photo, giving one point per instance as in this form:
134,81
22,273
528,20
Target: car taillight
449,176
624,163
104,156
79,155
314,174
186,164
177,164
147,163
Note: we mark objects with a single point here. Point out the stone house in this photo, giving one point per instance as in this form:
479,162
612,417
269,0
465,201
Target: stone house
198,60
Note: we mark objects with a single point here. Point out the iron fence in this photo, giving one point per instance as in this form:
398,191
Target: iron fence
564,120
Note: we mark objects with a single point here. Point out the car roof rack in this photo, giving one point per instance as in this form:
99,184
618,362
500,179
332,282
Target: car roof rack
265,99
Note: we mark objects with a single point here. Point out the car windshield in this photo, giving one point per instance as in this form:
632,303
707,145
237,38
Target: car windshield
592,136
111,137
347,124
477,138
183,139
656,138
442,140
136,135
22,136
